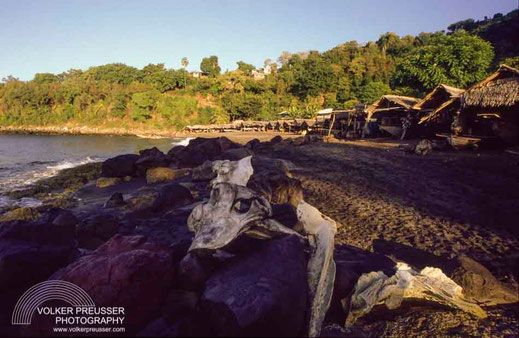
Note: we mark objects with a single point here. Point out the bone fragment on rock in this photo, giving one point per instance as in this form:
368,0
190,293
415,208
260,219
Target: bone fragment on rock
231,210
321,266
236,172
430,284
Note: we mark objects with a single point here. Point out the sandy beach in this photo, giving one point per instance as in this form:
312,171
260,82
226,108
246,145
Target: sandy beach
445,204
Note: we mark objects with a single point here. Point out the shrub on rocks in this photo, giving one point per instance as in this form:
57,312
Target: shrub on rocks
156,175
104,182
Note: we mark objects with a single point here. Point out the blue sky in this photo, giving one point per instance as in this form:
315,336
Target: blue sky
56,35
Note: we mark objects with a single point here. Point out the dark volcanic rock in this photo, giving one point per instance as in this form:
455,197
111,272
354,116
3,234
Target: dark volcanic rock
29,254
277,188
115,200
149,162
236,154
251,296
192,272
276,139
253,144
120,166
261,164
201,149
154,152
285,214
127,271
204,172
172,153
172,196
96,230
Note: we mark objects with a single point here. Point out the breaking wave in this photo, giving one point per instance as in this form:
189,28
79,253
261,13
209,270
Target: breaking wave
182,142
18,176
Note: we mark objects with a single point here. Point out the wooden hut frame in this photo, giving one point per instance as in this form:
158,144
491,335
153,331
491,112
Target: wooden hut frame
392,108
439,100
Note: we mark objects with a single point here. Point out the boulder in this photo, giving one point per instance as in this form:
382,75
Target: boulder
127,271
96,229
173,152
149,162
157,175
65,218
120,166
204,172
172,196
201,149
153,152
236,154
276,139
277,188
273,165
480,285
253,144
192,272
104,182
29,254
115,200
250,296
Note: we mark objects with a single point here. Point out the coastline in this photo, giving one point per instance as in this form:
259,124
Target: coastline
237,136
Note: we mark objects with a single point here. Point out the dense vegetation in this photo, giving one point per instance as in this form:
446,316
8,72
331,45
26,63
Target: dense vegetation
116,95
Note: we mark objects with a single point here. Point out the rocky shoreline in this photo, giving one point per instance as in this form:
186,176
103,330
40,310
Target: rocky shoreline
130,223
87,130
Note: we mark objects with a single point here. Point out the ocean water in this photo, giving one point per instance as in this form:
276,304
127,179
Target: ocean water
24,159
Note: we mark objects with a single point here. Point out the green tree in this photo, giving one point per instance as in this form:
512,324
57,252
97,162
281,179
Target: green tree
210,66
247,68
458,59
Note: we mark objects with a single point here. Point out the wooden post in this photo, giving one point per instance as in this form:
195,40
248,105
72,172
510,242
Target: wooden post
331,125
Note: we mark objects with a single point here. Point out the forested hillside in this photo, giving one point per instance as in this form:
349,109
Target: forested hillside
301,83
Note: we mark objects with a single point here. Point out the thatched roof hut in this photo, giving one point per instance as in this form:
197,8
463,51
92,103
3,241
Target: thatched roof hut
389,110
441,94
392,101
491,107
442,98
500,89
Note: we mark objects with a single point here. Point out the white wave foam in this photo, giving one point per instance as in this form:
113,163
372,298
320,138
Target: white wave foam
183,142
28,177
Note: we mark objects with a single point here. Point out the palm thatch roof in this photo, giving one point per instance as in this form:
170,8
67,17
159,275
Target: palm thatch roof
436,98
500,89
388,101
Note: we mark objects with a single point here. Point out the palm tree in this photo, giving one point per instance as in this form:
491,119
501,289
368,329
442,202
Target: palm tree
184,63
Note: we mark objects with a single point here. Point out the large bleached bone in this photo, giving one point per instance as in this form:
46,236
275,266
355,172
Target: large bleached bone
320,230
430,284
231,210
236,172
